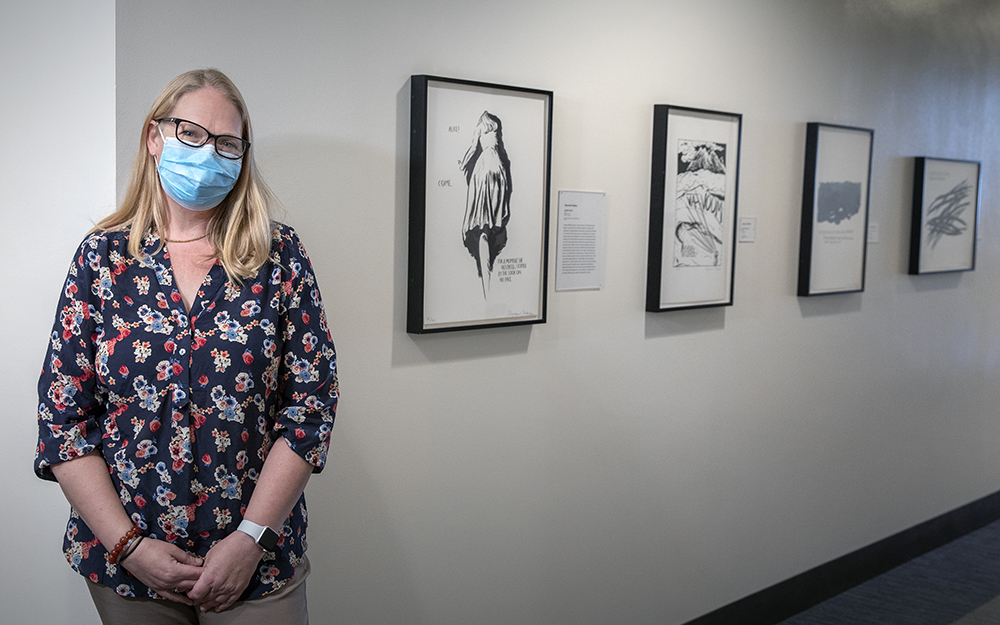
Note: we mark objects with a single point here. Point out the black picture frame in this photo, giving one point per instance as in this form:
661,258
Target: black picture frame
694,191
943,232
836,192
480,168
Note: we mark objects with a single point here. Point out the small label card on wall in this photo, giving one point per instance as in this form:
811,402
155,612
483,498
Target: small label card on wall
581,241
748,229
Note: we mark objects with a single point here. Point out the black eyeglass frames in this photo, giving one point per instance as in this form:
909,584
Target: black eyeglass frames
191,134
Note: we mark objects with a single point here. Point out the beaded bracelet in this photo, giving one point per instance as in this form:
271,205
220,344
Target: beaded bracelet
130,548
124,540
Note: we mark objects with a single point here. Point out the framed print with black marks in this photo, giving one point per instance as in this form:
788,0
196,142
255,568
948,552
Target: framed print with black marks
479,204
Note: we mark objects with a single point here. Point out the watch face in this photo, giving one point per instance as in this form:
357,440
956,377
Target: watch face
268,539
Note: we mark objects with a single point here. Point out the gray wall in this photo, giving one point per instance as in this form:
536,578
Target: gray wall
57,176
610,465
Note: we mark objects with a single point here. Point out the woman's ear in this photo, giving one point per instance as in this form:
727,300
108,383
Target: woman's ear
154,141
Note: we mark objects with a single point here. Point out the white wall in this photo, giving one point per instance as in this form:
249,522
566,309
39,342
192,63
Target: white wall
610,465
57,175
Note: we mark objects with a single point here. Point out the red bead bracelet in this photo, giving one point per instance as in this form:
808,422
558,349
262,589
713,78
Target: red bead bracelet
122,542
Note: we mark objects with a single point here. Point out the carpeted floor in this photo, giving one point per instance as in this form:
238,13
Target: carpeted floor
957,584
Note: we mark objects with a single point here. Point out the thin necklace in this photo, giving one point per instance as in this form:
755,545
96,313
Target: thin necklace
185,240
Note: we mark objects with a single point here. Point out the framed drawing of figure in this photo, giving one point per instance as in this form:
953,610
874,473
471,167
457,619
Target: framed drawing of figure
479,199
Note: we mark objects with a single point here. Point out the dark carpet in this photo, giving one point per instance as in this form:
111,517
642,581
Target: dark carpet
957,584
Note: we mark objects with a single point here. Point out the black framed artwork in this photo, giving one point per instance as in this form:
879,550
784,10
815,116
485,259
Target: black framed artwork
945,217
692,209
479,204
833,240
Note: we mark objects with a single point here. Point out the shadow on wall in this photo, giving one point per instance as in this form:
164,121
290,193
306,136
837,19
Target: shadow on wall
299,169
936,282
353,548
832,304
680,322
319,184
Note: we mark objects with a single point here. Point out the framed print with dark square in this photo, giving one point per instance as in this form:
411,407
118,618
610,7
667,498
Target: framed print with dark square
479,204
692,208
945,218
833,240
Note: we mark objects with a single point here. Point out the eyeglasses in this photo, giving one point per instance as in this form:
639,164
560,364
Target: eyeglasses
190,133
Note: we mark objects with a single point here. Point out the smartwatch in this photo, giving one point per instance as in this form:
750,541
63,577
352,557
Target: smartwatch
264,536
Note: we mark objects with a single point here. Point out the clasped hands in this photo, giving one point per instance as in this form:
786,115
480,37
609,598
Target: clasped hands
212,583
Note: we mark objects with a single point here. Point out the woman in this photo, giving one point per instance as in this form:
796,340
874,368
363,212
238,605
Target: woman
190,384
487,204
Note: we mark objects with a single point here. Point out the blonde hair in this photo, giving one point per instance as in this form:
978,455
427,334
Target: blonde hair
240,229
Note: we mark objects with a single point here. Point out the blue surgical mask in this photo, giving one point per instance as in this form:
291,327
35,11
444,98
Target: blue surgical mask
196,178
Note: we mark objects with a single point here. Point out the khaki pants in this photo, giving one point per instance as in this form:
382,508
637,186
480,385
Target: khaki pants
287,606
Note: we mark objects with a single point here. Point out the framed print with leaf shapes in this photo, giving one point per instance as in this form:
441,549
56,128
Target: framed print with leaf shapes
692,208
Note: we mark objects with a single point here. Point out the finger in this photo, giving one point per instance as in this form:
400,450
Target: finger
191,560
209,598
184,586
198,595
185,558
216,600
183,581
186,571
209,606
224,607
222,604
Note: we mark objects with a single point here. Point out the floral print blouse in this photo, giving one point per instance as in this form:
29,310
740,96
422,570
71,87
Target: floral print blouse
185,407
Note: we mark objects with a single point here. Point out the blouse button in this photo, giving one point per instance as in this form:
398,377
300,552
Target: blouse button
181,351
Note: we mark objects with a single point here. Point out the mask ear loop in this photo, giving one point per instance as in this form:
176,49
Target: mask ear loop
163,141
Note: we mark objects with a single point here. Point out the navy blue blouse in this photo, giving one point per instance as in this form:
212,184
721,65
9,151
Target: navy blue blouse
184,408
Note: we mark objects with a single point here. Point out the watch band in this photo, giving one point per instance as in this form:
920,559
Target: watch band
264,536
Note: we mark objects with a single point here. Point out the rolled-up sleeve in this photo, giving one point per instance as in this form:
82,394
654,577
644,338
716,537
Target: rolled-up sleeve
70,402
307,374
